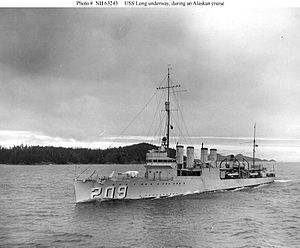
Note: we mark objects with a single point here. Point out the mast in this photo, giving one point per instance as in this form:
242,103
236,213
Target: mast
167,109
254,145
168,112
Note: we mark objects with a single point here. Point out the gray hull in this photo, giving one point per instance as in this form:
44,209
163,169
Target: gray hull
141,188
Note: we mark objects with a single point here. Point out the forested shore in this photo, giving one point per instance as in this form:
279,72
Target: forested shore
61,155
132,154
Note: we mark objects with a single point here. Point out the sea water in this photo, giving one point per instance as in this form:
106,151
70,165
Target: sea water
37,209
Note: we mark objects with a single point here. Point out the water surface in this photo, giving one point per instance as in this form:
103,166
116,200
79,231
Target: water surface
37,209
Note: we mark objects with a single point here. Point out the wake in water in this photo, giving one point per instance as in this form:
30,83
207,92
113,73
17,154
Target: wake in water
281,181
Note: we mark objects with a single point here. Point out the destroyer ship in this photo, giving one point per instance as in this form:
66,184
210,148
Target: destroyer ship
166,176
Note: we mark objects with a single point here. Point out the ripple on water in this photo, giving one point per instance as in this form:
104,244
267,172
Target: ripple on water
37,210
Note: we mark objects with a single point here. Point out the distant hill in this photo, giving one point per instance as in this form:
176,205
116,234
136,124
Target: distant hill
241,156
61,155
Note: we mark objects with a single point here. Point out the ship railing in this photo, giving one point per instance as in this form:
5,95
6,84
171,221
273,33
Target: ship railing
89,177
235,168
92,176
270,172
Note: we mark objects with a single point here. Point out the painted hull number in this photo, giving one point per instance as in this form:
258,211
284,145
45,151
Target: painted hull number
109,192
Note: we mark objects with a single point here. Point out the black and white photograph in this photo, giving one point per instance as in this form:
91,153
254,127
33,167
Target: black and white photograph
149,124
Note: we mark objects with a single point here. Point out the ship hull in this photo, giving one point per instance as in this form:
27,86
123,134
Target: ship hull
140,188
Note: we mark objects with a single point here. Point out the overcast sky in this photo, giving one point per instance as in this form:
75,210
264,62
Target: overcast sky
79,76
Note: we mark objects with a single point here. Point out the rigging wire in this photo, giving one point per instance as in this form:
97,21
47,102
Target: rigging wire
181,117
154,118
177,121
158,133
134,118
184,124
180,133
137,115
161,132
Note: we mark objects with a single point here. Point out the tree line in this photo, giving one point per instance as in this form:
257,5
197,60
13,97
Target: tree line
61,155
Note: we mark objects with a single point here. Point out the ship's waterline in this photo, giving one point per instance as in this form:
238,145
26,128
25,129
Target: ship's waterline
89,190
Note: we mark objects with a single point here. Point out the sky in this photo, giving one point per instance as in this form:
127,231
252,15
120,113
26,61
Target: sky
79,77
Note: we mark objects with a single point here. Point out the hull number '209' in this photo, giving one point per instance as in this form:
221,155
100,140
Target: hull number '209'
109,192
